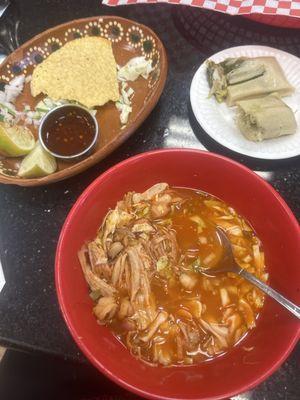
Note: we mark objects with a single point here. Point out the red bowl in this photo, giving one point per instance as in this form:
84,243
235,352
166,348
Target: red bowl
277,331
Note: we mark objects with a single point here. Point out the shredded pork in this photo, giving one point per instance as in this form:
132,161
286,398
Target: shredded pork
135,250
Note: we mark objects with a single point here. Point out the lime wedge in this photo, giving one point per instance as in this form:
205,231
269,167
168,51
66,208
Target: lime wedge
15,140
37,163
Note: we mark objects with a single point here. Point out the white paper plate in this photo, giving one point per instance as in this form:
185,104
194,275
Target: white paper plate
218,119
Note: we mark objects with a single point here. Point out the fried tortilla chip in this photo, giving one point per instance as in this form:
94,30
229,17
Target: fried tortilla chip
83,70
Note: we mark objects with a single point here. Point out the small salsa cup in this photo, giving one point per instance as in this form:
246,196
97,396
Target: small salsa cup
58,113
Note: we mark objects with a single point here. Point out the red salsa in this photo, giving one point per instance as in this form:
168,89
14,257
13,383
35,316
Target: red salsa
68,131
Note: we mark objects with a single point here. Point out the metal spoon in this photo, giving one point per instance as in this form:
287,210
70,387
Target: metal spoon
228,264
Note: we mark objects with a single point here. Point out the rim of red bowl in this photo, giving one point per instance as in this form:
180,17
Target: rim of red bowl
251,384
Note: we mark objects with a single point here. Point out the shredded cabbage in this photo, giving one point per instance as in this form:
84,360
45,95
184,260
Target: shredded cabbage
199,221
124,102
162,263
137,66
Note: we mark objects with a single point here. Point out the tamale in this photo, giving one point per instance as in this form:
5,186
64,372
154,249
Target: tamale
248,69
243,78
271,81
265,118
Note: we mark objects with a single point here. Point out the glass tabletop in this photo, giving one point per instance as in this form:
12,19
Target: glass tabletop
31,218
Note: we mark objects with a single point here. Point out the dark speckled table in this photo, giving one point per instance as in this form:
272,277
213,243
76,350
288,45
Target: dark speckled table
31,218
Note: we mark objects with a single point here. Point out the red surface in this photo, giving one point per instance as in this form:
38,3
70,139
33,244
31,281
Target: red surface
277,331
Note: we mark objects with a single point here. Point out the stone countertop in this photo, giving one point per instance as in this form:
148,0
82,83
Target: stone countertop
31,218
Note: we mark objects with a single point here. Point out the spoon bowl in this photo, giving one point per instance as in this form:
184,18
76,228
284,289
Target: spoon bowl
228,264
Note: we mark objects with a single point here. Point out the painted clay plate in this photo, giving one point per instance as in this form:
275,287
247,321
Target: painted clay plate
129,39
218,120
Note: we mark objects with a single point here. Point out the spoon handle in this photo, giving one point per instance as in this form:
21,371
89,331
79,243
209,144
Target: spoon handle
271,292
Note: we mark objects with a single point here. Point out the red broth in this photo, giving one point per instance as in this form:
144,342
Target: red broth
196,317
